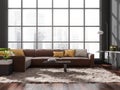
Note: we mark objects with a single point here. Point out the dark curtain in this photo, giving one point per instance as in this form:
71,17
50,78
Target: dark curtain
3,23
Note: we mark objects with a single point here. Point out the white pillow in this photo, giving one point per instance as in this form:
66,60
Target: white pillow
81,52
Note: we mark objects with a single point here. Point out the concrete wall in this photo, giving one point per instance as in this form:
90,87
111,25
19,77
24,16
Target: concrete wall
115,22
115,26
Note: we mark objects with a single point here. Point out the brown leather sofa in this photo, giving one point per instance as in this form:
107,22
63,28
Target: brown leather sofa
35,58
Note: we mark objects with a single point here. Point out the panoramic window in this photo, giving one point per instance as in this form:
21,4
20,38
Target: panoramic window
54,24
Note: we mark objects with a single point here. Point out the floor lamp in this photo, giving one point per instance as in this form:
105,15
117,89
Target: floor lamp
100,32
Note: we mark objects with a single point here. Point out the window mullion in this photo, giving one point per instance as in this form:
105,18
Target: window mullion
68,24
84,24
52,24
21,23
37,24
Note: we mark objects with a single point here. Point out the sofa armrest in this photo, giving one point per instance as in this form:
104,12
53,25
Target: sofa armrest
18,63
91,58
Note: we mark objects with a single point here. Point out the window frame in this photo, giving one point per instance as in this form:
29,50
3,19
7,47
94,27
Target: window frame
37,26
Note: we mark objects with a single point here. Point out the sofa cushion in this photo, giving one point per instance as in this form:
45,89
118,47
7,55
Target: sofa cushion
18,52
69,53
40,58
73,58
43,52
58,53
81,52
29,52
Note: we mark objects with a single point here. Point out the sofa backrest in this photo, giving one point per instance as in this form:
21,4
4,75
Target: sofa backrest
43,52
29,52
39,52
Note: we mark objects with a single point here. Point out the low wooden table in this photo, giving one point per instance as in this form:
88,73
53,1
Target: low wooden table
64,63
6,67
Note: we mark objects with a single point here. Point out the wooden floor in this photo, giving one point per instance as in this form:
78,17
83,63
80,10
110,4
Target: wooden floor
61,86
65,86
73,86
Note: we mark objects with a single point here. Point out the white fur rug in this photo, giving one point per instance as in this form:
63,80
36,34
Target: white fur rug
58,75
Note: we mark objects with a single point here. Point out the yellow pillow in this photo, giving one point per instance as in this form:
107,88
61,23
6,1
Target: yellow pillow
58,54
18,52
2,53
69,53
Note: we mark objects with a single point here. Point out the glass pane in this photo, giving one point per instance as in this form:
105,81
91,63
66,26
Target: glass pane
92,3
76,45
44,45
76,34
60,34
29,3
29,34
14,34
92,17
45,3
45,17
60,46
60,17
91,34
93,48
29,17
14,3
14,45
76,3
44,34
29,45
14,17
60,4
76,17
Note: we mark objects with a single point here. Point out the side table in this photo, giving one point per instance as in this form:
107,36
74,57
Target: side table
6,67
113,57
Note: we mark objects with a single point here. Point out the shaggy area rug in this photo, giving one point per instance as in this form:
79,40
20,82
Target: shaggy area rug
58,75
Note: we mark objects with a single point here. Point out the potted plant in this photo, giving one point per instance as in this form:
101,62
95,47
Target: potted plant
6,53
6,62
113,47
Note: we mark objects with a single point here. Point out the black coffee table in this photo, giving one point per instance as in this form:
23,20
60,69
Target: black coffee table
64,63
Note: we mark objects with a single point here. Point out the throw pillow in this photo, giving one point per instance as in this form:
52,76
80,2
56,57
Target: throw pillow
81,52
58,54
69,53
18,52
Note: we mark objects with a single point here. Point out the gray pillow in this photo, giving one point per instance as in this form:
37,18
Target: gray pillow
81,52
